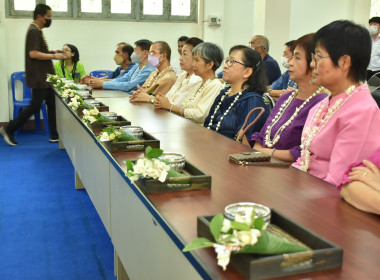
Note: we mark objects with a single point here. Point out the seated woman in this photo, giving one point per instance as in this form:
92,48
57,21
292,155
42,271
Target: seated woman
70,67
284,84
361,184
281,135
343,128
195,107
244,72
186,81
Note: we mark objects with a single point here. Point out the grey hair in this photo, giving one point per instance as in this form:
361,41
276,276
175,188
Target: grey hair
263,41
209,52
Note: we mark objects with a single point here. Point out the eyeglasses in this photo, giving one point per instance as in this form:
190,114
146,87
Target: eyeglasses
315,58
66,50
229,62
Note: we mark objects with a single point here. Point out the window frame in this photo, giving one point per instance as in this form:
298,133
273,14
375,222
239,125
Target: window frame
74,7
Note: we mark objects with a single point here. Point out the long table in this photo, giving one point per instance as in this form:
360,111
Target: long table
149,231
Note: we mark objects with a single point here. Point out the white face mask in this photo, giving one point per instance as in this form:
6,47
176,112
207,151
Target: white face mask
284,62
373,29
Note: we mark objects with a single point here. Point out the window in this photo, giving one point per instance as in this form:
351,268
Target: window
132,10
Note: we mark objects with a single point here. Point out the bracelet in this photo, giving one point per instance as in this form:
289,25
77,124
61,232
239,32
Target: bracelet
171,107
152,100
271,152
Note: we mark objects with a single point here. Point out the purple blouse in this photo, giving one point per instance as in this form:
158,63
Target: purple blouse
290,138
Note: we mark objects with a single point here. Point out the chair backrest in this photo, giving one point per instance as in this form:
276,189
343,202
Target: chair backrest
374,80
269,101
27,92
376,95
100,73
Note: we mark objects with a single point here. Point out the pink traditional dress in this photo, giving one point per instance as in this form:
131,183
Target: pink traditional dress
338,131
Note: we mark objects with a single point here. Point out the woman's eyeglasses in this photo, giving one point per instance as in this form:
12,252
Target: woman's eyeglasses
229,62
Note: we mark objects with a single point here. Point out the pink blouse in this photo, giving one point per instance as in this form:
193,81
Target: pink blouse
351,134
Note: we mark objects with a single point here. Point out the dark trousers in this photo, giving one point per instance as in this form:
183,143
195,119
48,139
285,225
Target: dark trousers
38,96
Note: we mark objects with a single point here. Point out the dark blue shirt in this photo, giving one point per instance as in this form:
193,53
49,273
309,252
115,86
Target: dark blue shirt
272,70
233,121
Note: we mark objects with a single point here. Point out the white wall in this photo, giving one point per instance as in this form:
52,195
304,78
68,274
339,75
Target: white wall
279,20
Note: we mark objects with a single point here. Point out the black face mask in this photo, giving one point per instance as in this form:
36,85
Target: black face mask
48,22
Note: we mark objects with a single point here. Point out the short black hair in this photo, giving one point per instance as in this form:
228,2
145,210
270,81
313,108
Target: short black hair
193,41
374,19
182,38
40,9
144,44
251,58
343,37
127,48
290,45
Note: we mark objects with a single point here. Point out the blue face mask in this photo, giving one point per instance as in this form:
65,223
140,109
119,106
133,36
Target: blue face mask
153,61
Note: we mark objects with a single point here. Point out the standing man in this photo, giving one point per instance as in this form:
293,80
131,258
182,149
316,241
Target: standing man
374,31
38,63
175,63
261,44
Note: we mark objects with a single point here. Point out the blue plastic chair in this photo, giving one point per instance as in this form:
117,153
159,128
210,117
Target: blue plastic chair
18,105
100,73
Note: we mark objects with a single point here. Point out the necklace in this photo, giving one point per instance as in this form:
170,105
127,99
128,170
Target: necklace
137,72
190,100
317,124
271,142
43,35
158,75
226,112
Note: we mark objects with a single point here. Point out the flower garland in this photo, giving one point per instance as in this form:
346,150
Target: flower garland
226,112
317,124
137,72
153,79
268,141
200,90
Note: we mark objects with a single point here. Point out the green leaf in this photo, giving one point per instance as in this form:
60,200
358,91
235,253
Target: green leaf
153,152
240,226
127,137
198,244
259,223
216,225
269,243
104,119
129,165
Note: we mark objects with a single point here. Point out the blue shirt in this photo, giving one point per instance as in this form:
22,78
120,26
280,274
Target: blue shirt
129,81
272,70
283,82
116,73
233,121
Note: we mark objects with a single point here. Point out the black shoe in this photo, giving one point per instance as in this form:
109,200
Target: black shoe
54,140
8,136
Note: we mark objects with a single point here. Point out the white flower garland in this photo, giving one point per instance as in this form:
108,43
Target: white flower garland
226,112
200,90
268,141
315,127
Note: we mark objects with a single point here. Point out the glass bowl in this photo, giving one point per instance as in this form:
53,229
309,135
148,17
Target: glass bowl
135,131
239,208
175,160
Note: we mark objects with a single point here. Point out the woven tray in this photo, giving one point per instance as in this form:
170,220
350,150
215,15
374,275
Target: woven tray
324,254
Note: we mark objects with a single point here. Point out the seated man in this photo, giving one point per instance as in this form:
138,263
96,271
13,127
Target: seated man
122,57
261,44
159,81
175,63
136,76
